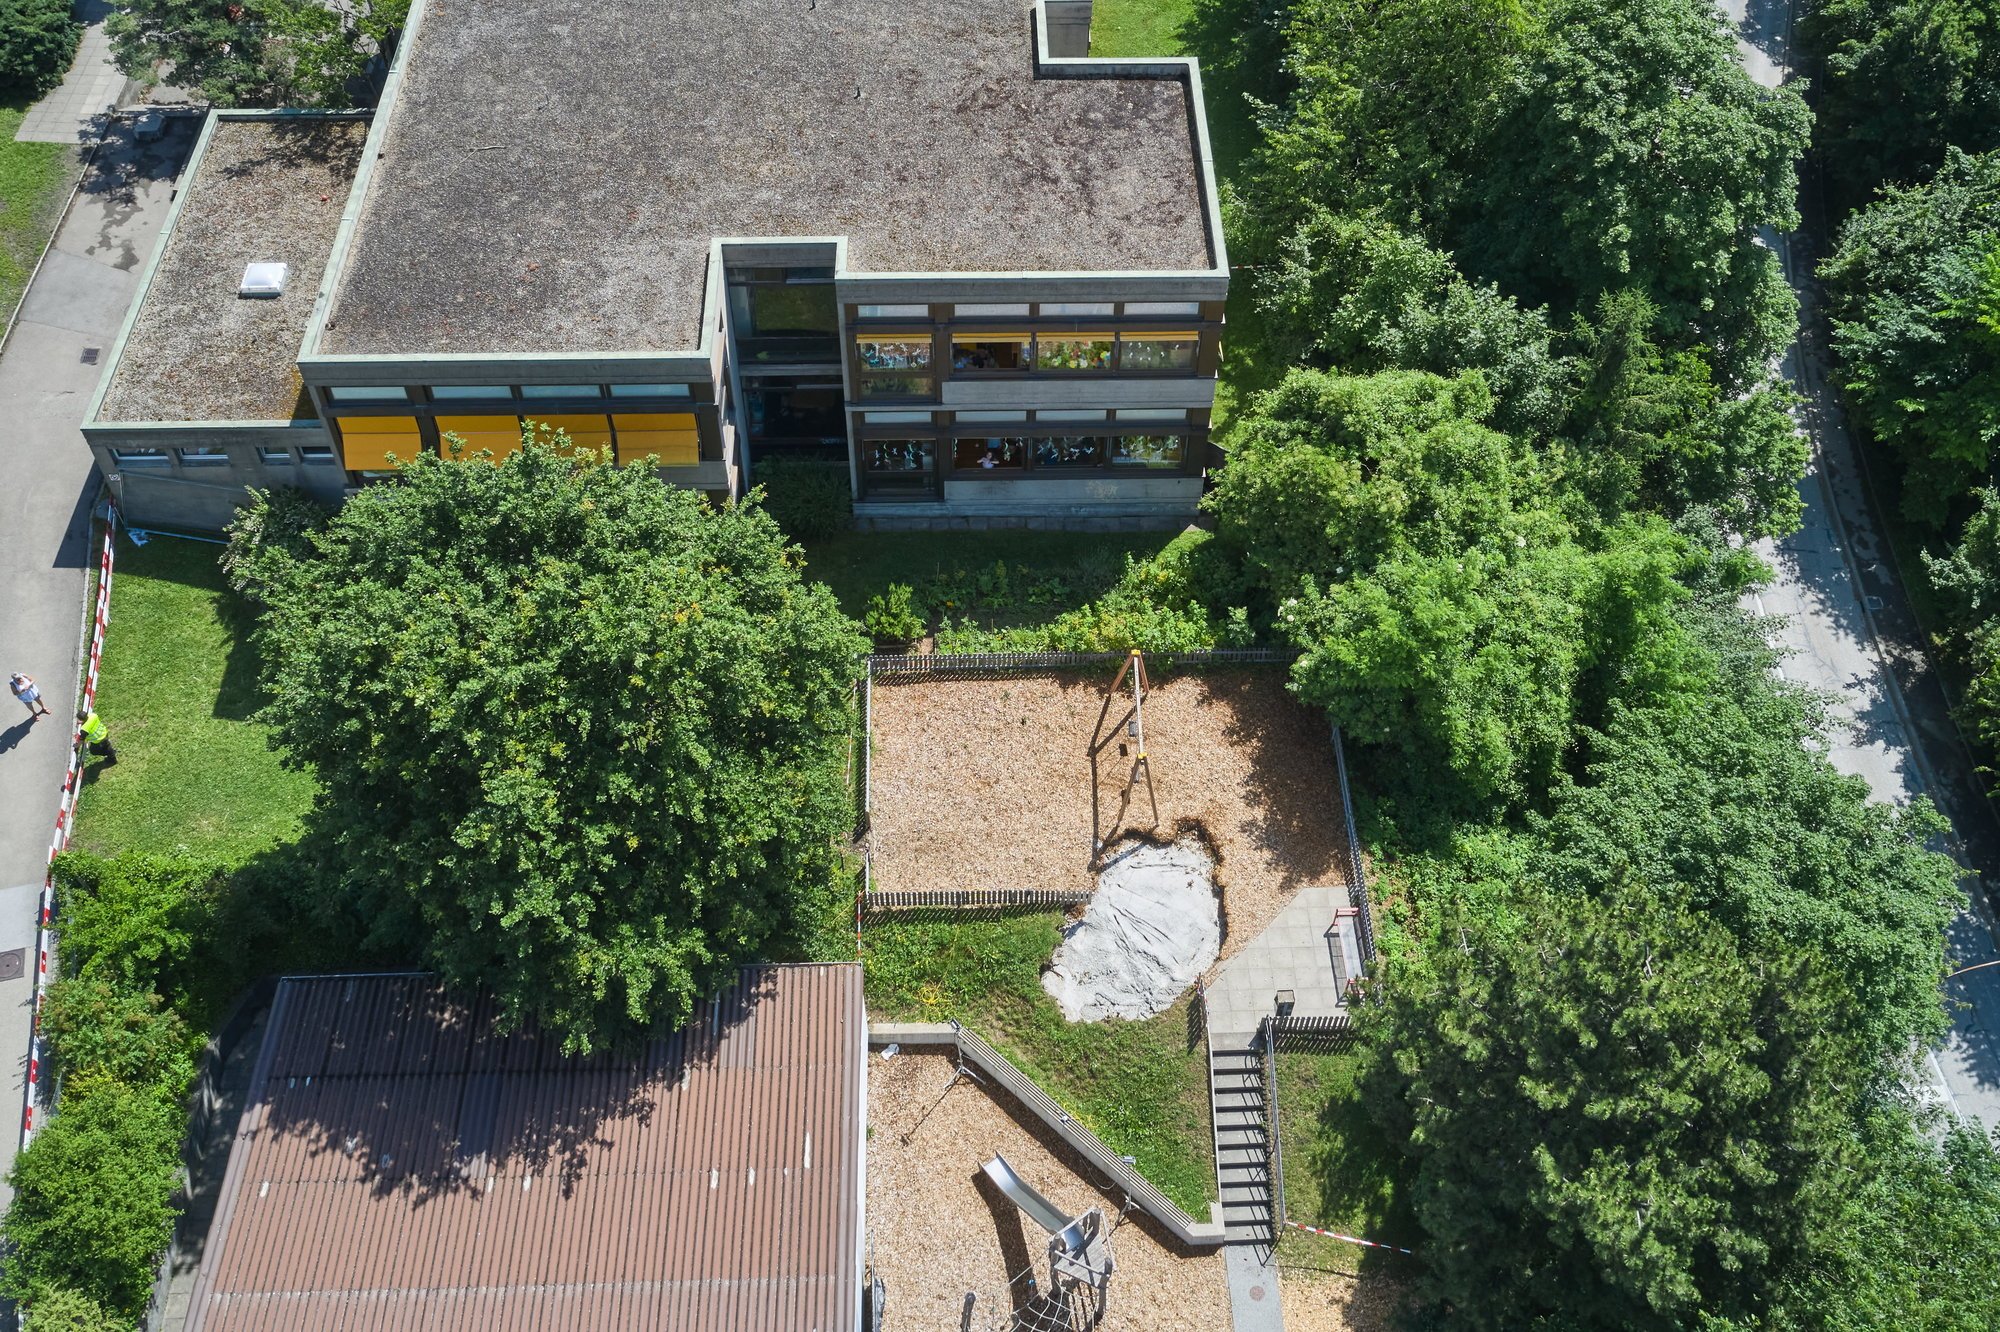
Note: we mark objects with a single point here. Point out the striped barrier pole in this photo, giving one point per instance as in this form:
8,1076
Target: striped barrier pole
1350,1239
65,822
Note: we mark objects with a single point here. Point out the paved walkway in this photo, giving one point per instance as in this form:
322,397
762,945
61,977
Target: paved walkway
71,112
77,302
1293,953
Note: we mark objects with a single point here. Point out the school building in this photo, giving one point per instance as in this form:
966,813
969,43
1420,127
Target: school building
934,239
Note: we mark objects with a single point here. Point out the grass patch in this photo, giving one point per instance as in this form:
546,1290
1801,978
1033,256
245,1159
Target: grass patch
1047,573
1140,1086
1128,29
35,178
1339,1171
177,690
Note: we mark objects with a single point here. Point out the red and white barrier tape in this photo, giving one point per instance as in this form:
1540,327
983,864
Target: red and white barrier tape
1349,1239
65,819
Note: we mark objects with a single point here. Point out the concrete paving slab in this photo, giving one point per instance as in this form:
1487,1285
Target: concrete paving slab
1253,1288
72,111
71,291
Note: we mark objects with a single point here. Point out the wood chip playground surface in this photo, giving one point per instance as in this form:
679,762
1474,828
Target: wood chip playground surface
992,783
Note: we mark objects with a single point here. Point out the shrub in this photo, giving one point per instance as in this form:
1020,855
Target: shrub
275,523
892,616
60,1309
37,42
92,1197
98,1027
137,918
809,499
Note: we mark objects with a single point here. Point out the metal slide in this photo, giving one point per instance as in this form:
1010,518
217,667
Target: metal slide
1068,1231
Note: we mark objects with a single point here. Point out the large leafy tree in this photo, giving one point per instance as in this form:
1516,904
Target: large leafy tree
1619,1116
1634,152
1913,292
579,734
1900,82
254,52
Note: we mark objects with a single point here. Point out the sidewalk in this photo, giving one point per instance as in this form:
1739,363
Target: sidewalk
77,302
71,112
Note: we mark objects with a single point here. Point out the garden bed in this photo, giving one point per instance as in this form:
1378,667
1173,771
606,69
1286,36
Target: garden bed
937,1231
992,783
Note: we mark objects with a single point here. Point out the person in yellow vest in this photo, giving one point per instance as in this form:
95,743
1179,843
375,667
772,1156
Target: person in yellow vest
97,736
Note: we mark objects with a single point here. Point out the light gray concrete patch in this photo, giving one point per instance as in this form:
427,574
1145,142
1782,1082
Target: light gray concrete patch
1253,1289
93,85
73,293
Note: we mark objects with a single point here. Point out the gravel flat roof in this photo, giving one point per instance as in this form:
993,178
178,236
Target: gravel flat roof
266,189
553,172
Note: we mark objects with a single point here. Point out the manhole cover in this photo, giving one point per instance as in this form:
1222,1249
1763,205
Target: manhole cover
13,964
90,355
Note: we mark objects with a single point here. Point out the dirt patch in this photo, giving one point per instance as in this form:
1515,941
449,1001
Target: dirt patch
1319,1301
934,1233
1018,782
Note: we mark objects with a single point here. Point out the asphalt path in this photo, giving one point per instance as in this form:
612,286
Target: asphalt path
76,302
1849,632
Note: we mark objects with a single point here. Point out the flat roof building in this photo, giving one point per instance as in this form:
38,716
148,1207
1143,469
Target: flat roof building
935,240
401,1163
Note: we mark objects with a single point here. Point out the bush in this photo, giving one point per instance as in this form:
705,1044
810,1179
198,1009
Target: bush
97,1027
809,499
92,1197
275,523
37,42
136,918
60,1309
892,615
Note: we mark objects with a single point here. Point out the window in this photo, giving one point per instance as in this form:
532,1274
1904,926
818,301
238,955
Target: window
467,392
275,457
909,458
315,454
561,391
992,416
784,315
1160,452
139,457
1152,414
348,393
901,418
1086,309
1084,414
1158,353
976,353
1075,352
894,312
1192,308
894,365
1068,451
1007,454
651,391
990,311
204,457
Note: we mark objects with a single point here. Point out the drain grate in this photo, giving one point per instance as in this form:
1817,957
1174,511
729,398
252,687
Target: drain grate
13,964
90,355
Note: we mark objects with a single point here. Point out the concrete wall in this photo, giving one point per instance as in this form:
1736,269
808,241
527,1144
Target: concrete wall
205,496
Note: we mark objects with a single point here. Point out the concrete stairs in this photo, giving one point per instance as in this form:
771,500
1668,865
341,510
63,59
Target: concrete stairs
1242,1147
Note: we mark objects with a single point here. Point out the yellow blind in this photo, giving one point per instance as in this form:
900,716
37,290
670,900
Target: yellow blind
590,434
670,435
367,441
499,434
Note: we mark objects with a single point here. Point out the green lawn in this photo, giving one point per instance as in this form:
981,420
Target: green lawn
1141,1086
1136,28
1046,573
35,178
1339,1174
178,685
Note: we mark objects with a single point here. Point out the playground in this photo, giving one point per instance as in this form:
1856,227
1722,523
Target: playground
941,1230
1038,781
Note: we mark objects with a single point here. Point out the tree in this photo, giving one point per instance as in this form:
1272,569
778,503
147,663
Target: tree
135,919
1634,152
254,52
37,43
1913,287
579,734
1900,82
1619,1117
91,1209
59,1309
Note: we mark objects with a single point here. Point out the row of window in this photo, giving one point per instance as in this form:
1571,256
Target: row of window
217,457
984,416
1043,310
500,392
1005,455
900,365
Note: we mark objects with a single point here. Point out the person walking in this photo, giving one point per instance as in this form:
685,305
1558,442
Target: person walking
97,736
25,690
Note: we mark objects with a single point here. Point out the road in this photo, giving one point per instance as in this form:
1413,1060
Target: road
77,301
1849,633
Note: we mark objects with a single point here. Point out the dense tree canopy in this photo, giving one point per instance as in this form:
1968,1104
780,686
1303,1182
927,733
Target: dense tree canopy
255,52
579,734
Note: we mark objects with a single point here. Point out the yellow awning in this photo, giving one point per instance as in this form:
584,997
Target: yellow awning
588,434
367,441
499,435
670,435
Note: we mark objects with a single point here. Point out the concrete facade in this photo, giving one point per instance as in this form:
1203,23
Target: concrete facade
1098,418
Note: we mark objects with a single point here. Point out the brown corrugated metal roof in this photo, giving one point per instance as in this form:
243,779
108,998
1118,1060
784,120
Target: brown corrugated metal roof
402,1164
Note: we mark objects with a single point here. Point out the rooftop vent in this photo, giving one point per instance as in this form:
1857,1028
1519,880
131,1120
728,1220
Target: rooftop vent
263,280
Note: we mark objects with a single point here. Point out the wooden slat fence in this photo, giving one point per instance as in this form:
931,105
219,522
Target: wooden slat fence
917,664
1317,1035
972,899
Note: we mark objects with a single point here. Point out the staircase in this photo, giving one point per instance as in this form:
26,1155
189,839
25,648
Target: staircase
1242,1148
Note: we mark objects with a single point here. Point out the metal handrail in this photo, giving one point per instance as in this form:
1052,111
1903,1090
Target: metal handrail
1357,874
1274,1149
